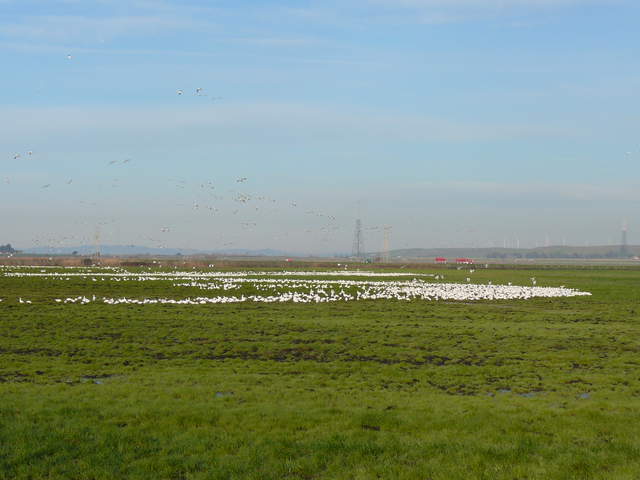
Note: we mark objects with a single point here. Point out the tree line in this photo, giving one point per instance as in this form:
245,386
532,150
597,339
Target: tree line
7,249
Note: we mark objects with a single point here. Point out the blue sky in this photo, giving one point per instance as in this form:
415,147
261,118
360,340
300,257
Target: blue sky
458,122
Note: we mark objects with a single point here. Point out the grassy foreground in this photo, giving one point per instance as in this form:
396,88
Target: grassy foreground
536,389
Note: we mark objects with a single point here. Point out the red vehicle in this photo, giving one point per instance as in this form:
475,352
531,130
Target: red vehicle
466,261
441,260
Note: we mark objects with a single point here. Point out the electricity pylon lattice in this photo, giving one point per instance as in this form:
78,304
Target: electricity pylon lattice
385,244
96,254
358,241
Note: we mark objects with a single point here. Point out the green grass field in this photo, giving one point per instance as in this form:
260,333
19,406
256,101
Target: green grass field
517,389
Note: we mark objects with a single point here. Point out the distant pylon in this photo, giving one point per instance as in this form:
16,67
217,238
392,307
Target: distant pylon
623,244
385,244
97,244
358,241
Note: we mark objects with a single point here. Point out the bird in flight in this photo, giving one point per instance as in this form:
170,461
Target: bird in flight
179,92
242,179
46,186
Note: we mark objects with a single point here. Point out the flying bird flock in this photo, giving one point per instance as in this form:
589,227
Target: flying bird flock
217,200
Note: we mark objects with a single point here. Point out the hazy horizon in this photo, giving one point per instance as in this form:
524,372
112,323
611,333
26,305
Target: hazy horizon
126,250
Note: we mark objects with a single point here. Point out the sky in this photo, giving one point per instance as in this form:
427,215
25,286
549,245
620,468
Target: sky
457,123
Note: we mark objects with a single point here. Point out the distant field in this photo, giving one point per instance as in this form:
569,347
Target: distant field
235,262
542,388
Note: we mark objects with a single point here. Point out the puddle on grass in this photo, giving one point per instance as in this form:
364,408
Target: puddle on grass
508,390
584,396
224,394
96,379
528,394
91,380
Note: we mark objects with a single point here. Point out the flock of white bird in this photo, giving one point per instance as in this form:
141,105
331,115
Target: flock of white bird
207,198
199,92
248,203
295,287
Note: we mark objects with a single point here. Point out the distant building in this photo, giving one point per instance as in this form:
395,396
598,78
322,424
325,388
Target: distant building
441,260
466,261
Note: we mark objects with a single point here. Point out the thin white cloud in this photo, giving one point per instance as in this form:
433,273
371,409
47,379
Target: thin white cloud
261,122
453,11
547,192
73,28
488,3
147,19
276,41
277,58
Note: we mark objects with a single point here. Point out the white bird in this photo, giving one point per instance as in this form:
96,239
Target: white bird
69,57
16,156
179,92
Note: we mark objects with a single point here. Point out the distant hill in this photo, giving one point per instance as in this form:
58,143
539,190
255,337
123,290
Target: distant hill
604,251
131,250
265,252
595,252
108,250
